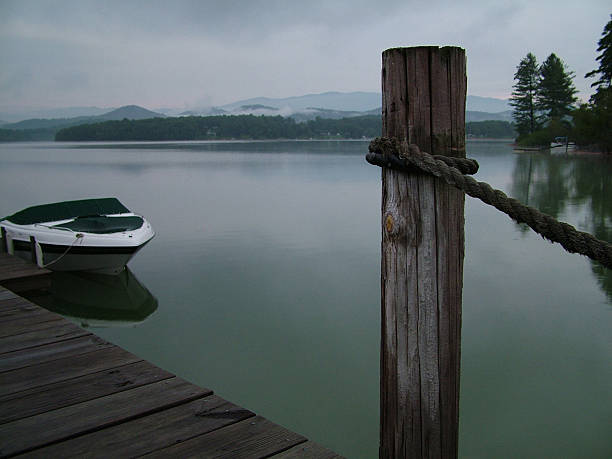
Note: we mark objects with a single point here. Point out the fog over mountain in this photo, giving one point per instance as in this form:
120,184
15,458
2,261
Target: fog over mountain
334,101
325,105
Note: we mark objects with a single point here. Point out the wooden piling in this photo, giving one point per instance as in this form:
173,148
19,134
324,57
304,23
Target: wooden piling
424,92
33,250
4,245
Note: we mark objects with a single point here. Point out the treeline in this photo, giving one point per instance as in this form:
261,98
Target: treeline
22,135
544,101
242,127
493,129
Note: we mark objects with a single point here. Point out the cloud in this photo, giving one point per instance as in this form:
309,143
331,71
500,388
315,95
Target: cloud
158,53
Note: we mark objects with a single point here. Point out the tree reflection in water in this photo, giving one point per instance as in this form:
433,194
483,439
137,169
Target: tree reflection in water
569,187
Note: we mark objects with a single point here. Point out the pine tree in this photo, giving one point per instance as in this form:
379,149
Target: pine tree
603,94
556,92
593,121
605,59
524,95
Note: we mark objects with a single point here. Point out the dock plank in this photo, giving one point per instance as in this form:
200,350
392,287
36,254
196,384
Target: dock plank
12,267
34,432
77,390
152,432
64,330
63,369
308,450
30,323
252,438
17,309
64,392
52,351
6,294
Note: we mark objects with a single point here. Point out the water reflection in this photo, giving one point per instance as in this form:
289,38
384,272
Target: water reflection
98,300
569,188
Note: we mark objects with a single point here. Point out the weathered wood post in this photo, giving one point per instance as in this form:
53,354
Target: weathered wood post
422,256
33,249
4,245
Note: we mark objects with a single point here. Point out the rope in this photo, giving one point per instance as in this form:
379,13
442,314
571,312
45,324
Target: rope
76,238
391,153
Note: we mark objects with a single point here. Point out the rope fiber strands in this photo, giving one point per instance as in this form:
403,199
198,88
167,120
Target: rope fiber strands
385,152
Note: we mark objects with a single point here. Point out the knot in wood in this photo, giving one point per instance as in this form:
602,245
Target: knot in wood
394,224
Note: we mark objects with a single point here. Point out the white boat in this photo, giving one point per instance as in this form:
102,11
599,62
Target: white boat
561,145
99,235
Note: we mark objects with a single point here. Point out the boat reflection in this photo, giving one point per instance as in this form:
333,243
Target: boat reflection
99,300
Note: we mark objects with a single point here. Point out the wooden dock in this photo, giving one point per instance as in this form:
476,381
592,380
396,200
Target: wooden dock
65,392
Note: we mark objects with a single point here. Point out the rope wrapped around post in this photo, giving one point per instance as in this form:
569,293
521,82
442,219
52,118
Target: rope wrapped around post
385,152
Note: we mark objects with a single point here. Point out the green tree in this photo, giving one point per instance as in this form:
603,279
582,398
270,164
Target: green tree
593,121
524,95
556,91
604,71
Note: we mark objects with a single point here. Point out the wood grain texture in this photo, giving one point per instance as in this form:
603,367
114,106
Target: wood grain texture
151,433
53,351
12,267
422,256
62,369
60,332
88,387
18,308
308,450
252,438
30,323
36,431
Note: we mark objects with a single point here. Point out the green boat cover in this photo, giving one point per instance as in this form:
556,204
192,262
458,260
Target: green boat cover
103,225
67,209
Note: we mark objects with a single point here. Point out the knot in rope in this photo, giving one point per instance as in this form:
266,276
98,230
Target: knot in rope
386,152
391,153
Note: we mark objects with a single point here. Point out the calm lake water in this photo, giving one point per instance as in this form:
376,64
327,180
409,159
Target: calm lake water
265,271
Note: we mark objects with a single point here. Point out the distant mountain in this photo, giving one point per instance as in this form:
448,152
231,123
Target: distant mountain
341,105
487,104
209,111
311,113
131,112
328,105
485,116
12,116
344,101
357,101
38,123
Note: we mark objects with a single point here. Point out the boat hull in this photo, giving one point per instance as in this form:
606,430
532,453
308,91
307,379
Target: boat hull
60,249
103,260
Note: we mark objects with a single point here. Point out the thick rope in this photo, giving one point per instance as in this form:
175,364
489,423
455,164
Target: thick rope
390,153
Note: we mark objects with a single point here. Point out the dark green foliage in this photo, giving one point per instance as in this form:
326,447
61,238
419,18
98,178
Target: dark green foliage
247,127
543,99
556,91
524,94
604,71
544,136
20,135
490,129
593,122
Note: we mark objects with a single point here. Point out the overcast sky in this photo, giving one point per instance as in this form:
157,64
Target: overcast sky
193,53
